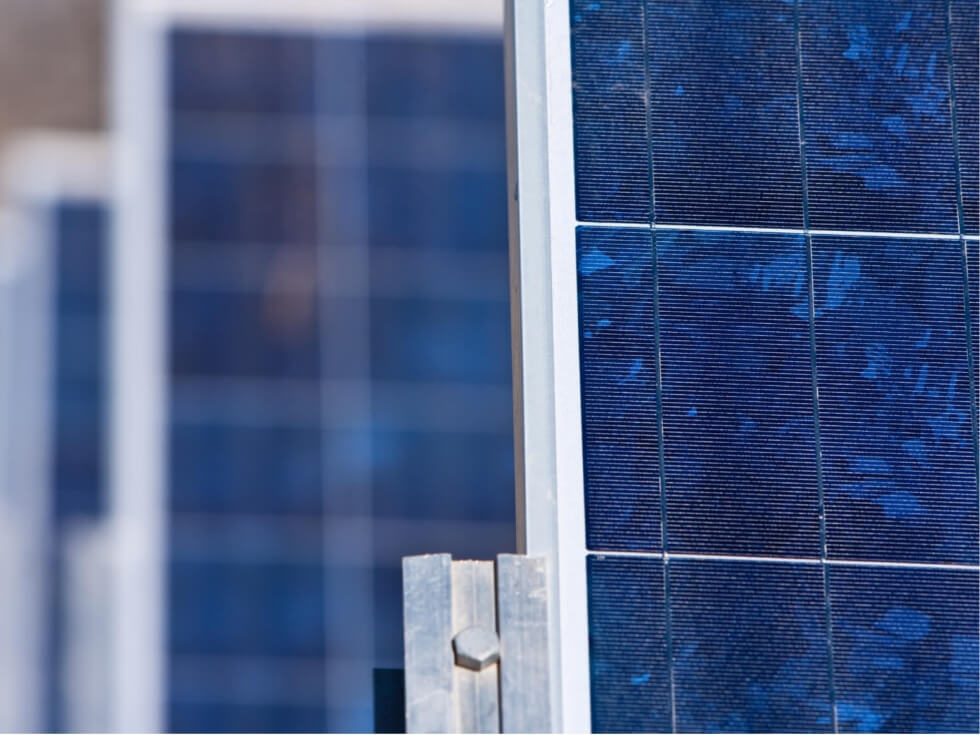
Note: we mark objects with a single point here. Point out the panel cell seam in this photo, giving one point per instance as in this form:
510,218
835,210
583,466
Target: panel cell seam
958,177
655,278
815,387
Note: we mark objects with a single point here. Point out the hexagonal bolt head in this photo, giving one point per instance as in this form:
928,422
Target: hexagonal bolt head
476,648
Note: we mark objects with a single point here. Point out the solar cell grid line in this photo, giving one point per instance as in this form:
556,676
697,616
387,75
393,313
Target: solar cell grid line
350,393
888,217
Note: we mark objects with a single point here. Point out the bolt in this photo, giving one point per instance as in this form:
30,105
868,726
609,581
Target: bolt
476,648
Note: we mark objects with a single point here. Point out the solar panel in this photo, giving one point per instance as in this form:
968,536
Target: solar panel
57,185
334,371
747,282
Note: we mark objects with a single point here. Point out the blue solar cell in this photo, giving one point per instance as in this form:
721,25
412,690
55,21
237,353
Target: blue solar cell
876,116
271,334
208,717
242,201
231,468
437,209
79,231
256,608
410,77
964,24
388,632
220,72
905,649
973,282
448,475
750,647
337,212
628,653
619,389
899,474
612,158
723,113
739,444
424,339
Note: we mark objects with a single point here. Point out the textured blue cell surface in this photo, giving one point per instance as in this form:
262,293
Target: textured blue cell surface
612,160
750,649
236,468
738,413
877,117
973,282
807,397
80,231
619,389
964,16
338,357
217,72
905,649
420,339
892,361
627,645
723,113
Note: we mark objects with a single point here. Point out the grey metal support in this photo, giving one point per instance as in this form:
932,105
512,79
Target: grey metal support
522,603
427,592
476,645
475,639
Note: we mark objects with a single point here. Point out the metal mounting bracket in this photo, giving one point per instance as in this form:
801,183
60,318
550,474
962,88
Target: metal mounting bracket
476,644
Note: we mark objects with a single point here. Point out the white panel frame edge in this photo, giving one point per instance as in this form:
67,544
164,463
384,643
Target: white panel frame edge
39,169
24,371
545,344
139,281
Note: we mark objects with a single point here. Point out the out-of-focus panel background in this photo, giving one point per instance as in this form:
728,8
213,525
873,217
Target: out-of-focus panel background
65,89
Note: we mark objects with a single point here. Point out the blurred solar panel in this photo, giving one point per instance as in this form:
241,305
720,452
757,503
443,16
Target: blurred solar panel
337,378
774,238
59,186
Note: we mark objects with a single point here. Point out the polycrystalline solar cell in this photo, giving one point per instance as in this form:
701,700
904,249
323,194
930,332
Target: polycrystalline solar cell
750,649
217,200
877,116
973,283
241,73
964,23
628,652
414,339
465,476
739,444
249,681
612,169
723,113
436,209
80,231
247,469
269,334
905,649
408,77
260,608
619,389
257,717
899,472
322,190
